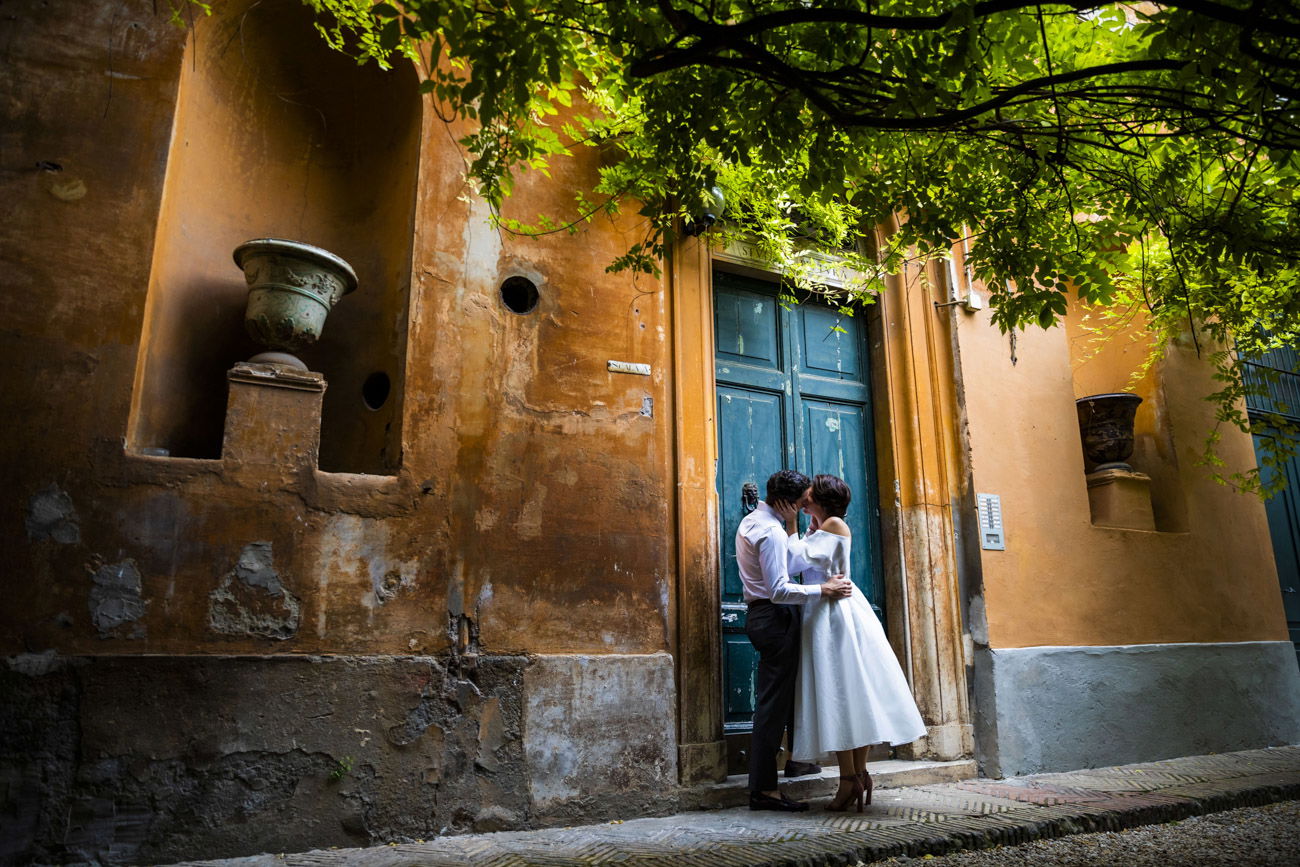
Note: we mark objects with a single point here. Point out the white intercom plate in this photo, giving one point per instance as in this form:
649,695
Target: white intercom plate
992,536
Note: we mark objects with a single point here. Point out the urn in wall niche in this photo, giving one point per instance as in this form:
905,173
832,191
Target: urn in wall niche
1106,426
292,287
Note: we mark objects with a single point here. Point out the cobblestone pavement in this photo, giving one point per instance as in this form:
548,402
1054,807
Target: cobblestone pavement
1267,836
913,821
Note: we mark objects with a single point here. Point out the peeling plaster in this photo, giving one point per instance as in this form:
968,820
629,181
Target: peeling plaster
393,580
236,608
51,515
116,598
529,525
36,664
356,551
486,519
482,246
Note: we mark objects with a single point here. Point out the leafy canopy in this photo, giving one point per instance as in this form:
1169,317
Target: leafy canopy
1129,154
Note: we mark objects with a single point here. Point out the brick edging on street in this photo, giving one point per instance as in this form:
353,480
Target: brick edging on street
914,821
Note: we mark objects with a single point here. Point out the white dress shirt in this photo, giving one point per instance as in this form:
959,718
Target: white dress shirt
763,555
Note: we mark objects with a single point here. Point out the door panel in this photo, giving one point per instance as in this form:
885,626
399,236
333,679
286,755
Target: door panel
740,662
750,428
836,437
746,328
831,344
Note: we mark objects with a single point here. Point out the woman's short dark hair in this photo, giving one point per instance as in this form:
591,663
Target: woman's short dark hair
786,485
832,494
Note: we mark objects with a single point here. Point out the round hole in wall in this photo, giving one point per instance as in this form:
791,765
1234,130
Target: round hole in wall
375,390
519,294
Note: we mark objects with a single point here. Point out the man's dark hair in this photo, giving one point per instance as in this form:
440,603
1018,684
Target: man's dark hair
786,485
832,494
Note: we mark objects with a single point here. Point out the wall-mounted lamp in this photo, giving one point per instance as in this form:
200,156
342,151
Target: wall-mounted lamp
972,302
714,204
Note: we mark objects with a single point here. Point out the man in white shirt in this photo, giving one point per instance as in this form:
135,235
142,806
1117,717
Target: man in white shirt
772,625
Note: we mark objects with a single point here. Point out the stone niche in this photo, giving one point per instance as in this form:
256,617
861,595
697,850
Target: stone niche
276,135
1107,355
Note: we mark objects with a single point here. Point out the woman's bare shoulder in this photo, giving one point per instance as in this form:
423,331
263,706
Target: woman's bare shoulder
837,527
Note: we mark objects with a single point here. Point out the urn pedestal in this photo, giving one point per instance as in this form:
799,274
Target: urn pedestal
1120,499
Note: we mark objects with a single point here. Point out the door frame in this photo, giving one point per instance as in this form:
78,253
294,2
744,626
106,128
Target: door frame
919,475
802,387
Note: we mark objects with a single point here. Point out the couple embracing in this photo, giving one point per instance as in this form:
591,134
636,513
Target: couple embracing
825,671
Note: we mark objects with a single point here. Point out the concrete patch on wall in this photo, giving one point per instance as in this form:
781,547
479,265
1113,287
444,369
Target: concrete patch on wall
1061,708
600,734
252,601
38,750
147,759
116,598
50,515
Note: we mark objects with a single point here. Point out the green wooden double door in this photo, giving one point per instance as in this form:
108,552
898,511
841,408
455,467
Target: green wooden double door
793,393
1276,379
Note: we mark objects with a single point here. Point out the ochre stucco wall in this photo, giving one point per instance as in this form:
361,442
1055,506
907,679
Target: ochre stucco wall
532,496
1063,581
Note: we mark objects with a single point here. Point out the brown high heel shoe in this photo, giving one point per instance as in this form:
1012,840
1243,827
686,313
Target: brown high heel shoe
864,780
855,794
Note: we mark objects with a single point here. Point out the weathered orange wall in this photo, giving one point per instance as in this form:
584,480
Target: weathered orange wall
1063,581
533,496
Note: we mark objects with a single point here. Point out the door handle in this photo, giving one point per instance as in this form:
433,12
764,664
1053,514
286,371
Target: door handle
748,497
730,617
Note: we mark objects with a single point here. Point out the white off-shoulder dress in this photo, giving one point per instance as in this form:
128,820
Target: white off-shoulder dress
851,690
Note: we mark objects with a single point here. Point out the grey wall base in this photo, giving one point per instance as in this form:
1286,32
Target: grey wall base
146,759
1043,709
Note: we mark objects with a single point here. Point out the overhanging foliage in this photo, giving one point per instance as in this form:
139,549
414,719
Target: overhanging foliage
1126,153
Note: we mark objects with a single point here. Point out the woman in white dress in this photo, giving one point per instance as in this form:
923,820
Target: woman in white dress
851,690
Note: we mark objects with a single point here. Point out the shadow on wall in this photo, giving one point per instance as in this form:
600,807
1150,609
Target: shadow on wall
276,135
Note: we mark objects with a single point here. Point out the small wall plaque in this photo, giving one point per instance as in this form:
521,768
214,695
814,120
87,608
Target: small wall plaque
629,367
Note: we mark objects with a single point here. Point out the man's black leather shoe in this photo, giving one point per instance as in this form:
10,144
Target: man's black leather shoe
801,769
759,801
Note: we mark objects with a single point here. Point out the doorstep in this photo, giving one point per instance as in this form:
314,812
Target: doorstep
887,774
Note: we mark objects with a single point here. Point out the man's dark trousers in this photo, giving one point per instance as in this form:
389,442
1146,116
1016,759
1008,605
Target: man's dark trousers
774,631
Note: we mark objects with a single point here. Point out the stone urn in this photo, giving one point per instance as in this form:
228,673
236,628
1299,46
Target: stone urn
291,289
1106,426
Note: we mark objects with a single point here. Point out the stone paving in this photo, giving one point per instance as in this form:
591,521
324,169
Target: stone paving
913,821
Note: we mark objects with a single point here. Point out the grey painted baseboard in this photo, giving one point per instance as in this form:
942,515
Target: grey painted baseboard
1044,709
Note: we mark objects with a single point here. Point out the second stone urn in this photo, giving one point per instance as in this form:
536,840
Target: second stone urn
292,287
1106,426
